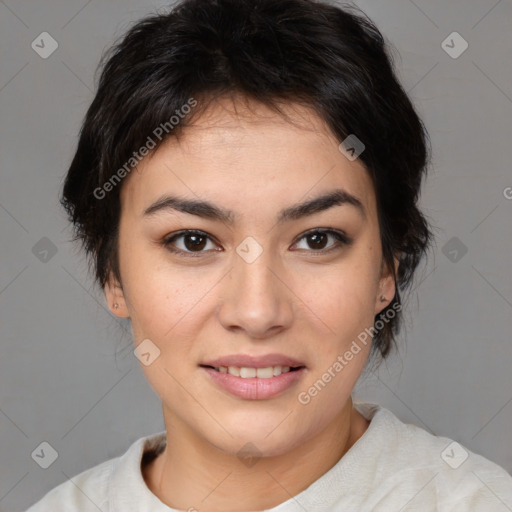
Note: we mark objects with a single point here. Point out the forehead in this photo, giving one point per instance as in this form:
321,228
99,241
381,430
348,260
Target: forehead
243,154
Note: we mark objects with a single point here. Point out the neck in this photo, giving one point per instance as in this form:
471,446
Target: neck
191,472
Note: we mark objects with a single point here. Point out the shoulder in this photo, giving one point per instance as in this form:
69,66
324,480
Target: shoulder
83,492
434,468
97,488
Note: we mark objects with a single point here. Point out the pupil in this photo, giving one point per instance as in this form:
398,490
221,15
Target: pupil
199,242
317,243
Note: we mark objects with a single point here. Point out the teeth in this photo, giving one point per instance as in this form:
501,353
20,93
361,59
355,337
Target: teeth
233,370
247,372
265,373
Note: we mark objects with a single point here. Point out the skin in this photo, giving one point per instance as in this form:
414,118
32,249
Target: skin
294,299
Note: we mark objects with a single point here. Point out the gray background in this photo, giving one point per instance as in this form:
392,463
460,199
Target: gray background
68,375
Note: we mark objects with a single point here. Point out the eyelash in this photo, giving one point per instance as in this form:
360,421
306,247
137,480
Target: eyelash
342,240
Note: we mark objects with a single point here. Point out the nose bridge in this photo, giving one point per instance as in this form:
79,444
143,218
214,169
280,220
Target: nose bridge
256,301
255,278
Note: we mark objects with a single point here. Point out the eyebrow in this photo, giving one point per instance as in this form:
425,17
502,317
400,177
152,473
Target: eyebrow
207,210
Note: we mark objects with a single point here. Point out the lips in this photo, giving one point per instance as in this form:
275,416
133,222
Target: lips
255,388
255,377
246,372
247,361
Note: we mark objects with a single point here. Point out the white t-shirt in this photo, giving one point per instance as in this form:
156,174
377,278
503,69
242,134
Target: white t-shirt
392,467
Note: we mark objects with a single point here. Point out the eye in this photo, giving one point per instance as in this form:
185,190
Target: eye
192,241
317,239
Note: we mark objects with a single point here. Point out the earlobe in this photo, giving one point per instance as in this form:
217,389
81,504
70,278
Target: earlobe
115,298
387,288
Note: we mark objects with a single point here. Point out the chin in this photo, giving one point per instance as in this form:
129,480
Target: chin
268,437
256,445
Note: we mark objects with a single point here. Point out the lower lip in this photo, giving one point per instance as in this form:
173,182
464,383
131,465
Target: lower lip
255,388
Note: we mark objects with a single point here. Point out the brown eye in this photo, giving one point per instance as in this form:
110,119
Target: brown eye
188,243
318,239
194,242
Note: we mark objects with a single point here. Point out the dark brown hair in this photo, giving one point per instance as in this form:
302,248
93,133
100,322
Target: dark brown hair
330,58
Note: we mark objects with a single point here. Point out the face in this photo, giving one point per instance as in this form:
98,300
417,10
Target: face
257,277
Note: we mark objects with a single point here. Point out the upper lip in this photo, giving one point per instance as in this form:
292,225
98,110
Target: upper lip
244,360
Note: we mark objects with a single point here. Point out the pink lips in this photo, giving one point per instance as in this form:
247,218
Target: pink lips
255,388
254,361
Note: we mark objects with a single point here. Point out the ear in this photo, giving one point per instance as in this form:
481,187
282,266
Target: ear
115,297
386,286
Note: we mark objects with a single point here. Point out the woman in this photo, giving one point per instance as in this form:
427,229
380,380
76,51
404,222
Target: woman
246,185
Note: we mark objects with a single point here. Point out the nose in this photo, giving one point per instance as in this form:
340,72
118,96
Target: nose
256,299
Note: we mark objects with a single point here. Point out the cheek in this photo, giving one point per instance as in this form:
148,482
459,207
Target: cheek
347,308
167,303
159,306
342,296
343,300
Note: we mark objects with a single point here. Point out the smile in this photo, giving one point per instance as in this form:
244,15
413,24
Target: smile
246,372
254,383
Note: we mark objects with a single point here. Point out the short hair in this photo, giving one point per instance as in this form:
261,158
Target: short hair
323,56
